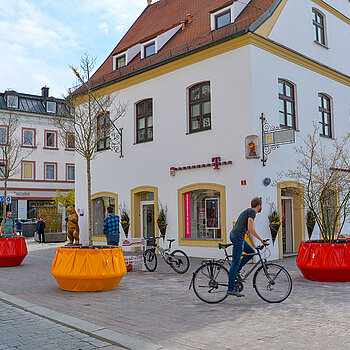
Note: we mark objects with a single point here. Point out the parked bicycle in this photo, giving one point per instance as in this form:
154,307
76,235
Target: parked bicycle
271,281
178,260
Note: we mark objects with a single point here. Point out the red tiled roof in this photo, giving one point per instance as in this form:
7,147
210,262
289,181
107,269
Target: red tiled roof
163,15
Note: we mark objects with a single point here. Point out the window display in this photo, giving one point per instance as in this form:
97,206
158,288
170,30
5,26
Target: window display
202,214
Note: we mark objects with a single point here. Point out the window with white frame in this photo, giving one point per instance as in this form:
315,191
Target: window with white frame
325,117
50,139
50,171
149,49
223,19
70,141
3,135
120,61
51,107
70,172
28,137
12,101
28,170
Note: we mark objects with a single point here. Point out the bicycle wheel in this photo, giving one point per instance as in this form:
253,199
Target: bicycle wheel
150,260
210,282
273,286
179,261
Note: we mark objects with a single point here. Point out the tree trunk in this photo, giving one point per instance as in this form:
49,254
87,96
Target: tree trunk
88,171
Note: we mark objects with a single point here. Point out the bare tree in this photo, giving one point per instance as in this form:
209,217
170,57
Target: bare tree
94,116
11,152
324,174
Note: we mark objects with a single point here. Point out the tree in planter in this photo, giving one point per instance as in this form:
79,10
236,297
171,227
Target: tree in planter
64,201
11,152
275,222
94,114
324,175
124,218
162,218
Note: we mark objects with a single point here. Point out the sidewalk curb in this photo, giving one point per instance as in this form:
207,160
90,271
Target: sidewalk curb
91,329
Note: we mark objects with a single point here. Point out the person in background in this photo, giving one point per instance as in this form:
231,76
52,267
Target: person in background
10,226
19,226
111,227
40,228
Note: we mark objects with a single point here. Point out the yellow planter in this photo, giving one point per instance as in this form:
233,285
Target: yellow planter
81,269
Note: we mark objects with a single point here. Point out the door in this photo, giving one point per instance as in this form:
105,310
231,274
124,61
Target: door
147,219
287,225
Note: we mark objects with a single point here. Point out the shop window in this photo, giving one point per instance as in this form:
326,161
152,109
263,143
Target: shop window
99,207
202,217
102,132
144,121
200,107
286,104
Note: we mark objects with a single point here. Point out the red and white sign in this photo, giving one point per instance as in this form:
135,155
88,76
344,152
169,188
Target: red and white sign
188,215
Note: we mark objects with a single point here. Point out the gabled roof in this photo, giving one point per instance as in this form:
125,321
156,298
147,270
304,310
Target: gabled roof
163,15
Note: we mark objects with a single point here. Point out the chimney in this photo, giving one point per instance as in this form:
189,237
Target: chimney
189,18
183,25
45,91
149,2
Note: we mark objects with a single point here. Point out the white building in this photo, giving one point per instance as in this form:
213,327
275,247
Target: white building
50,165
197,82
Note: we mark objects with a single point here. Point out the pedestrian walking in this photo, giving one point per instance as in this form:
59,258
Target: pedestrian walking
19,227
10,226
40,228
111,227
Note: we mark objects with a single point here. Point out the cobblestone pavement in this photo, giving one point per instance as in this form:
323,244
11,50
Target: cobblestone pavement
158,307
23,330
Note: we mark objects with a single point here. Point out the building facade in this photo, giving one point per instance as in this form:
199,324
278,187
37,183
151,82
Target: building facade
197,84
47,165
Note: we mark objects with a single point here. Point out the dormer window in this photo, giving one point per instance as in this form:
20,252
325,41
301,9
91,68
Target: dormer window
223,19
12,101
150,49
120,61
50,107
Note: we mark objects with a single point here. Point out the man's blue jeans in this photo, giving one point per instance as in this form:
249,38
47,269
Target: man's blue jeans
239,246
113,239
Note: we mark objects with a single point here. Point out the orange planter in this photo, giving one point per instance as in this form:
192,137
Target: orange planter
81,269
13,250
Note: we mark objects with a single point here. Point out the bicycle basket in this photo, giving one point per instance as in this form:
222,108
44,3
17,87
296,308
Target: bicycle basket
151,242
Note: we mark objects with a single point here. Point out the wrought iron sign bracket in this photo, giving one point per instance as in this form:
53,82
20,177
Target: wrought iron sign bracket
116,140
272,137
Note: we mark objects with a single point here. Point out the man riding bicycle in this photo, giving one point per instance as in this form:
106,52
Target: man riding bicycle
244,224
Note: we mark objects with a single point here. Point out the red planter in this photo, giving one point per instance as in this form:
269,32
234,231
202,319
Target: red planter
324,262
13,250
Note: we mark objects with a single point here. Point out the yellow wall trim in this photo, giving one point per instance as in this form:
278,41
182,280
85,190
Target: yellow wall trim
332,10
181,221
266,28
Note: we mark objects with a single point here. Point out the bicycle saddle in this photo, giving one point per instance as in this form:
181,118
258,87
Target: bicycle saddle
170,240
221,246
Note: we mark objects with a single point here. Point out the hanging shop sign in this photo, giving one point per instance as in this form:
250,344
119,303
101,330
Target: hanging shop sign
216,162
8,199
273,137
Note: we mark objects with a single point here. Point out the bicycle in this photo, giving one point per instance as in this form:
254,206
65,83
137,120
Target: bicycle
271,281
178,260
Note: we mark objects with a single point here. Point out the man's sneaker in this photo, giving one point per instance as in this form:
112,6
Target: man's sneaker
235,293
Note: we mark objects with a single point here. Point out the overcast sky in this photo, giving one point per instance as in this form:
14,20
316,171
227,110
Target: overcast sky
39,39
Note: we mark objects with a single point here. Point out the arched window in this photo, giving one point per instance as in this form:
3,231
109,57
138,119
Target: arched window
324,115
286,104
318,21
200,107
144,121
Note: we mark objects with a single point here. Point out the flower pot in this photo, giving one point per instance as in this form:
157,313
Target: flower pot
126,229
162,229
84,269
324,262
310,227
274,231
13,250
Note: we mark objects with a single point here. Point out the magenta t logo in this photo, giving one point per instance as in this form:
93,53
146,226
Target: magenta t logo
216,162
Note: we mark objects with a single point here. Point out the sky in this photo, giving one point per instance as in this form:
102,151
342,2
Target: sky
40,39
